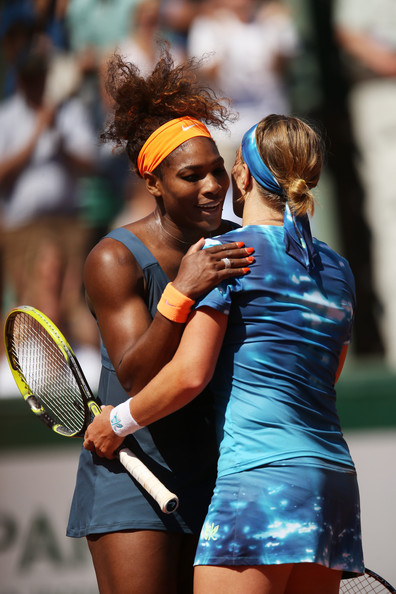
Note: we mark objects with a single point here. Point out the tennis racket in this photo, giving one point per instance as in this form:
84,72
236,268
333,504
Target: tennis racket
368,583
52,382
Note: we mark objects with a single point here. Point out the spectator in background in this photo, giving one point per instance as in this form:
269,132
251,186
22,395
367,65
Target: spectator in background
98,24
248,46
96,29
64,76
51,17
44,148
95,26
20,21
142,46
176,19
17,23
366,33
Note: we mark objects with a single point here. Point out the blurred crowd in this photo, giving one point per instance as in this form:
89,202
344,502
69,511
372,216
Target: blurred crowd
61,190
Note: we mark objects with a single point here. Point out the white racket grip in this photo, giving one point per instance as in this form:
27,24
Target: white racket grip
167,501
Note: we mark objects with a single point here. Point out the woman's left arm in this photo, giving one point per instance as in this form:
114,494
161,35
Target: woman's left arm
178,382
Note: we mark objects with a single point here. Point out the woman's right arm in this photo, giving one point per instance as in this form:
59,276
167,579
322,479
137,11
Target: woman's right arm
178,382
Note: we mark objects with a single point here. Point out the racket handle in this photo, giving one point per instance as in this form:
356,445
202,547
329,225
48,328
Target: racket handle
167,501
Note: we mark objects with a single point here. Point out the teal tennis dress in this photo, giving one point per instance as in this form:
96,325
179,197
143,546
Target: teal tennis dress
286,490
180,450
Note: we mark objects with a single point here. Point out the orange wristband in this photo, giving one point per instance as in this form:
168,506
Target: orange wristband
173,305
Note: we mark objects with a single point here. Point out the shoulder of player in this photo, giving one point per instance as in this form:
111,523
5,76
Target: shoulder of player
110,267
111,254
326,251
332,260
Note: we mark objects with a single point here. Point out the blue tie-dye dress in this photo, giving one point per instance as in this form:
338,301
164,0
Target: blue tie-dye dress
286,489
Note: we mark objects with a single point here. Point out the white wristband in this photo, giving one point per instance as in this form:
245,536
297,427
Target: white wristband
122,422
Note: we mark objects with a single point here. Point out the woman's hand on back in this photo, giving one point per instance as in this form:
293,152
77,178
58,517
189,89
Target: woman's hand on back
203,269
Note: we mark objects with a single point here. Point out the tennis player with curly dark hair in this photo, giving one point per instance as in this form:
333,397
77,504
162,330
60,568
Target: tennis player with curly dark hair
160,121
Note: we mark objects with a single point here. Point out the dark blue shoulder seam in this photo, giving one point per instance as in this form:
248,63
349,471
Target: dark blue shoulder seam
142,254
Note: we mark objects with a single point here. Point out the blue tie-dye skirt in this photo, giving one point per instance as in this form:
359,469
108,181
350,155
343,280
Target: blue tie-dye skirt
299,511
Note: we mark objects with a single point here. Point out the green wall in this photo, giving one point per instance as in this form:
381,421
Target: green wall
366,396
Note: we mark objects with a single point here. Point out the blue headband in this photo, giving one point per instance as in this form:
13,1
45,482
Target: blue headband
297,232
257,167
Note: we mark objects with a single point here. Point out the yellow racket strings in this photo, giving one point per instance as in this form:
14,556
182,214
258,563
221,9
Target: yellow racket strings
43,365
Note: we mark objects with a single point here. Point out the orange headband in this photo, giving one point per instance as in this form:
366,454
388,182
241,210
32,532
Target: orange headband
166,138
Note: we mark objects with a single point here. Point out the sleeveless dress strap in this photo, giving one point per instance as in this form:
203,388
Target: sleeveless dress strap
142,254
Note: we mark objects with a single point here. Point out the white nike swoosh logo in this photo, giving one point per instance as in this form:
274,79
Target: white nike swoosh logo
185,128
170,304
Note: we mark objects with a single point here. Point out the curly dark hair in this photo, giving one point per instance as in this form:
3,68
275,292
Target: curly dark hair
143,104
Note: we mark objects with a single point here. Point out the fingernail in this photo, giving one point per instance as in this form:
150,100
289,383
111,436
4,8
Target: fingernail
250,250
240,244
245,270
250,259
